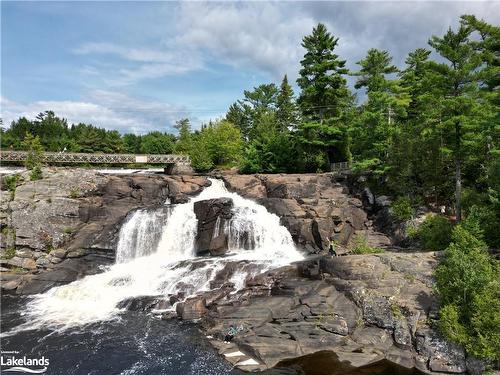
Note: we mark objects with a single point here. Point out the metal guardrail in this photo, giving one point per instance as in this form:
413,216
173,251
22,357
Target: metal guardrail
71,157
341,166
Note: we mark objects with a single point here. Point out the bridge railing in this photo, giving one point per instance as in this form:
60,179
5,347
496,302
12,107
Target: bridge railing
341,166
72,157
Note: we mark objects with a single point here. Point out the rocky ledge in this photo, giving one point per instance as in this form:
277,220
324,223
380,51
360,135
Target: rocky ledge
364,309
66,225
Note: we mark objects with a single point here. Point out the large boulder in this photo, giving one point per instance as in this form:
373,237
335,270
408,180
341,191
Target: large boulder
191,309
212,215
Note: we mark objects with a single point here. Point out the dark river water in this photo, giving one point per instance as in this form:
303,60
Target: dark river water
140,344
135,344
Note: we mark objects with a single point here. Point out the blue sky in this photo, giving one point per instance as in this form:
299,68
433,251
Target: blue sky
140,66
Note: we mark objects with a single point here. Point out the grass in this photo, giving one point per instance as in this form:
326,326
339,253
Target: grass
74,193
10,253
361,247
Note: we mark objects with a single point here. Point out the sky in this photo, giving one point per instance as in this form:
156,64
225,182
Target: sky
140,66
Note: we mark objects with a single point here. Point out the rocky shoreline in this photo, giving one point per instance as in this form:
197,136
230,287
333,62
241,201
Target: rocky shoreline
359,308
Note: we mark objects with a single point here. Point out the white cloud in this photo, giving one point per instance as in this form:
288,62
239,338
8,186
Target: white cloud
133,54
258,35
115,111
266,36
145,63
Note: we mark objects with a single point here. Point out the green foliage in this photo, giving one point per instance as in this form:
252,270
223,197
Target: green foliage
468,283
34,155
325,101
74,193
486,222
36,173
155,143
218,144
184,141
10,253
434,233
361,247
11,182
402,208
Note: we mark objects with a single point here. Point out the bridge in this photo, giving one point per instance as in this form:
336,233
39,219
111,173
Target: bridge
169,161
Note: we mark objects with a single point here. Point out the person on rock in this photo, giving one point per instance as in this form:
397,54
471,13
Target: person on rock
331,249
230,334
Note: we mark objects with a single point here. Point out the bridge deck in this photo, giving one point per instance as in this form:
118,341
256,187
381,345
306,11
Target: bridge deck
70,157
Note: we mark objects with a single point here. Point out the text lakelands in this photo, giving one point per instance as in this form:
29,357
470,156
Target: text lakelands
24,361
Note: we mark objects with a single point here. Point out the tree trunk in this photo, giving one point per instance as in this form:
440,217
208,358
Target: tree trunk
458,175
458,190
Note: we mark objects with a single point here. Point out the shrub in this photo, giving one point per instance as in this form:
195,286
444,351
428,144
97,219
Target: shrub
434,233
74,193
361,247
468,284
487,221
36,173
34,155
11,183
10,252
402,209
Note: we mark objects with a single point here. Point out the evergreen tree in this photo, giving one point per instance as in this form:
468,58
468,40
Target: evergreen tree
325,102
286,114
324,88
184,141
377,124
457,79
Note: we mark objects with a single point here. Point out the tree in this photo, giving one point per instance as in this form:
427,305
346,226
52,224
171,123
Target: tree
132,143
324,89
219,144
457,80
377,123
157,143
374,69
34,155
184,141
325,102
287,117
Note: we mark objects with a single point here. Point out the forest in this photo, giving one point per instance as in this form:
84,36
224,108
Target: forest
426,134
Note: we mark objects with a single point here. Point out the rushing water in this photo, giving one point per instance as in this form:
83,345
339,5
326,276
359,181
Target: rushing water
157,260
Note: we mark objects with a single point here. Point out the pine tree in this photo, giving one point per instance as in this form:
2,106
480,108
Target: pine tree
457,79
377,124
325,102
184,141
286,113
324,88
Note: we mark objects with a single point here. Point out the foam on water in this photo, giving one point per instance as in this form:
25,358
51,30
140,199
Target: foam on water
155,260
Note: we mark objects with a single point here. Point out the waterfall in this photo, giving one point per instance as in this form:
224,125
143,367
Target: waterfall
155,257
140,234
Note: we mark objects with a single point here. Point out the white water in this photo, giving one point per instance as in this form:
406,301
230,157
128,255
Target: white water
172,268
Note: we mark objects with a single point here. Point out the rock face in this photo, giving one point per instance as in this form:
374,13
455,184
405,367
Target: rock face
363,308
191,309
212,214
314,208
65,225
